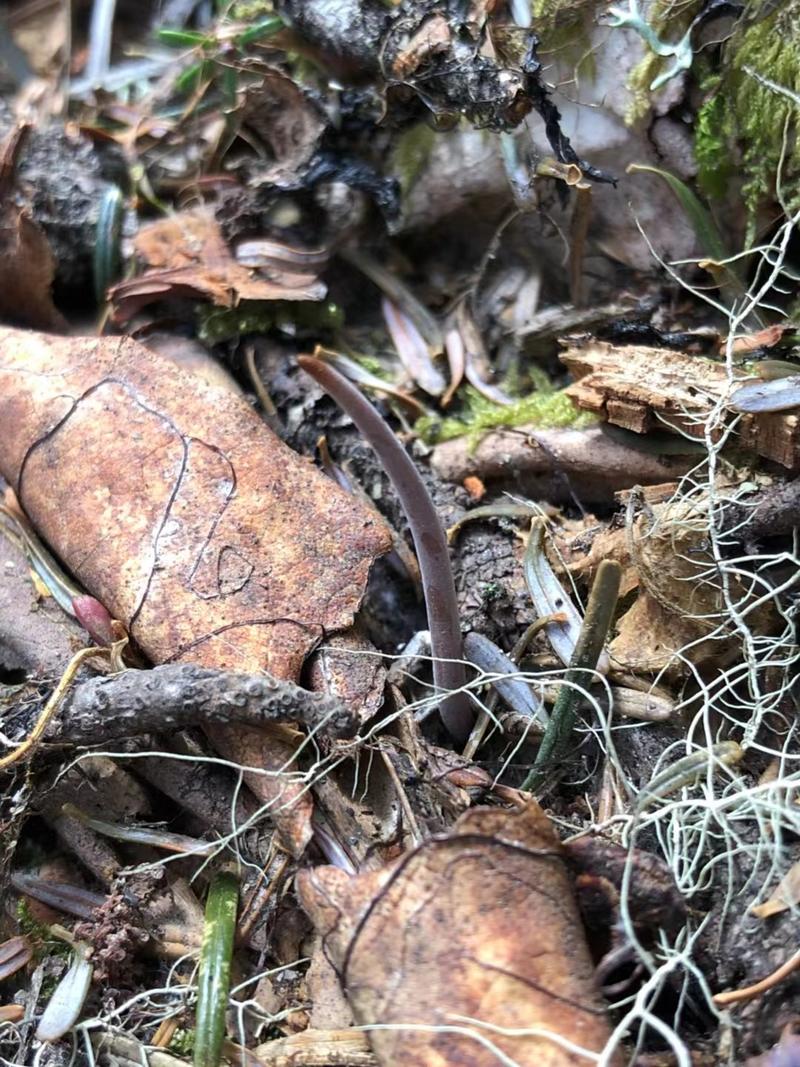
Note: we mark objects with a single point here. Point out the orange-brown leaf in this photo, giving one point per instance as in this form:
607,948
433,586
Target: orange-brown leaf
478,925
186,255
172,503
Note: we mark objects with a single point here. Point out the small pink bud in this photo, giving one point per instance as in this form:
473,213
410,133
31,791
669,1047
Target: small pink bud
95,619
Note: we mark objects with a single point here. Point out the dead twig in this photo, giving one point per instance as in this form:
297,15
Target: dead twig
175,696
537,460
735,996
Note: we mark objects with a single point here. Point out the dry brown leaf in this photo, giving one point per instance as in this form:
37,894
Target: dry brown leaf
329,1007
41,31
172,503
785,895
604,543
766,338
680,605
480,924
432,37
287,122
348,667
27,267
186,255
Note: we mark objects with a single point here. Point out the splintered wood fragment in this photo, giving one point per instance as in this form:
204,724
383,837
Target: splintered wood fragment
318,1048
644,389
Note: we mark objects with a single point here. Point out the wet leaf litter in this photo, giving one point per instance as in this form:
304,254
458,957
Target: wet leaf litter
398,613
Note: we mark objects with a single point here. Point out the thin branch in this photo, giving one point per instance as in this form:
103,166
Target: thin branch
178,695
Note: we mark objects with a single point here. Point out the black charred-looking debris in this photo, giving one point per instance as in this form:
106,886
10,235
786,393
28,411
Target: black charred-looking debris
431,50
540,99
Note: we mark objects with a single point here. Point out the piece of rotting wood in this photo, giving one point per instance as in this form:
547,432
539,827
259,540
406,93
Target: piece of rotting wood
656,389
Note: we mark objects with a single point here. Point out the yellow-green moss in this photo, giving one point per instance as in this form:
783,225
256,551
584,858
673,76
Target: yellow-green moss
744,125
546,409
564,27
411,151
712,141
260,316
182,1042
250,10
547,14
760,117
32,928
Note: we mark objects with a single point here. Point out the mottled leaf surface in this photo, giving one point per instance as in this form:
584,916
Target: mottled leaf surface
480,924
174,505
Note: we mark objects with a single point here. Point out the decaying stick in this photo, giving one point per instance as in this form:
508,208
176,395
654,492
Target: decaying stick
596,465
178,695
769,513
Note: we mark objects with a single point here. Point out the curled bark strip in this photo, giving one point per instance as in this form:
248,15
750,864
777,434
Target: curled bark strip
178,695
15,954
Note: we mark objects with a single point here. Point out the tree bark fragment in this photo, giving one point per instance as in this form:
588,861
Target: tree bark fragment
644,389
178,695
594,465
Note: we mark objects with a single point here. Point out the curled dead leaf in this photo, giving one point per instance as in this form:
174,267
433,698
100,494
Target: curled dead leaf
473,933
785,895
186,255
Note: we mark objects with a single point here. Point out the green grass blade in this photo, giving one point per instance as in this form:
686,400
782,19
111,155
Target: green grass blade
214,979
588,649
182,38
266,27
696,212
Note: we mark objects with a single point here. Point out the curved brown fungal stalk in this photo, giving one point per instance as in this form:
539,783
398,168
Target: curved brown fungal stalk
429,541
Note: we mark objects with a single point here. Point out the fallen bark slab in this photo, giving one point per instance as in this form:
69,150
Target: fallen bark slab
179,695
643,389
595,465
173,504
769,513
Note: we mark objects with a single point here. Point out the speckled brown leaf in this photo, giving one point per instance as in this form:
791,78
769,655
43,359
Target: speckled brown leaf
174,505
186,255
480,924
